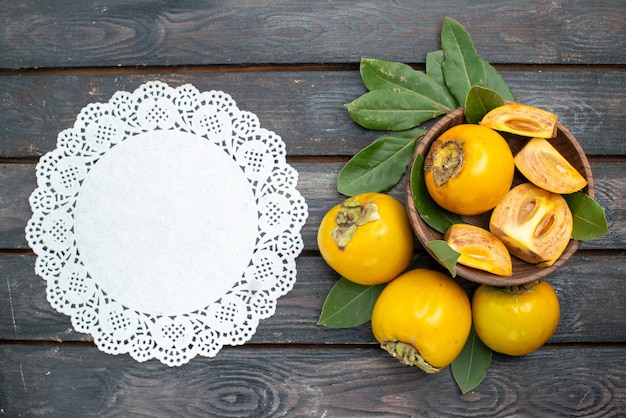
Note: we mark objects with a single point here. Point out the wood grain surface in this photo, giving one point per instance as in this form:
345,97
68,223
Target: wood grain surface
315,382
295,64
62,33
589,314
317,183
306,108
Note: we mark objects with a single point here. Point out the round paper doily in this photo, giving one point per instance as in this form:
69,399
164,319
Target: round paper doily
166,223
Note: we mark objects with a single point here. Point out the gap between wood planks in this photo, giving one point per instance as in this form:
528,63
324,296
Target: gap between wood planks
312,67
302,346
19,252
317,159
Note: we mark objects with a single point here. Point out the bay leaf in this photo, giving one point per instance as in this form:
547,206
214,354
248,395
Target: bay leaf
433,215
381,165
462,66
472,364
393,110
496,82
397,76
479,101
445,254
434,60
589,217
349,304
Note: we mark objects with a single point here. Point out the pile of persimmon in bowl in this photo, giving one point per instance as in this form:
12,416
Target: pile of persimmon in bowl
505,177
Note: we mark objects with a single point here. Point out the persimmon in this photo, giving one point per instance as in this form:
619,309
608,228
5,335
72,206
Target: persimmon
468,169
515,320
479,249
367,238
521,119
546,167
423,318
534,224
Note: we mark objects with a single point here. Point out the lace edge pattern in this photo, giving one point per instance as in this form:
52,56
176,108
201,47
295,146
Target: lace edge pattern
231,320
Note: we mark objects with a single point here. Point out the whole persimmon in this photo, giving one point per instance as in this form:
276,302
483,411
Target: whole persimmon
516,320
468,169
423,318
367,238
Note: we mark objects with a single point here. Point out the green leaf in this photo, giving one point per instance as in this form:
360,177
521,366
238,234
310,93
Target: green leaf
399,77
496,83
434,60
589,217
349,304
462,66
381,165
434,215
479,101
393,110
400,97
472,364
433,69
445,254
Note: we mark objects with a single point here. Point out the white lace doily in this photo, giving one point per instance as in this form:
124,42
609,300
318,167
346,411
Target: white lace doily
166,223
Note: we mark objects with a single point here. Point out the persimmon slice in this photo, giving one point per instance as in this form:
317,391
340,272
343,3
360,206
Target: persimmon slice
534,224
479,249
544,166
521,119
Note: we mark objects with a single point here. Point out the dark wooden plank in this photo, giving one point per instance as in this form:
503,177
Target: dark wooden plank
609,180
590,289
17,182
64,33
317,183
304,108
337,382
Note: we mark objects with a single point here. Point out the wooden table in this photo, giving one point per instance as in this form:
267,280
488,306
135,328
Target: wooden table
294,64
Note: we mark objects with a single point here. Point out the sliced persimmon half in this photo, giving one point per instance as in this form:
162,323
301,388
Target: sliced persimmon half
521,119
544,166
534,224
479,249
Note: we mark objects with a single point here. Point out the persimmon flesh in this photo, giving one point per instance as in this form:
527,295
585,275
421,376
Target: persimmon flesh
534,224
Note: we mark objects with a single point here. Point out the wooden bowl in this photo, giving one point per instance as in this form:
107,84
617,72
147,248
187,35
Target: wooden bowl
523,272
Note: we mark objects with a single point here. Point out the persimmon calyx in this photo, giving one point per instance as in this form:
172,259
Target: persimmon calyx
407,354
351,215
519,289
444,160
